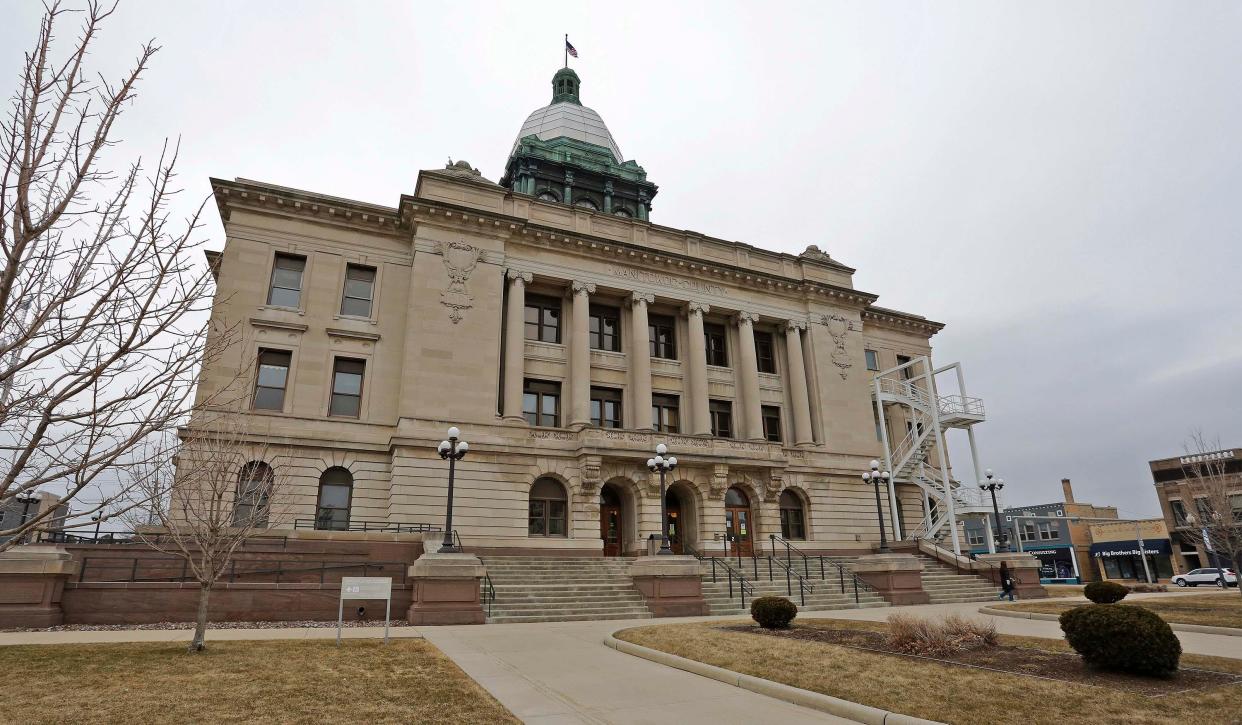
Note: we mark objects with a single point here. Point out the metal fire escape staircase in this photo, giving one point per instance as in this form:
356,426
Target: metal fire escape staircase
919,457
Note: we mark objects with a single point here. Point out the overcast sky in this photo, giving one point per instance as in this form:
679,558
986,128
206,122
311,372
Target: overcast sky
1059,182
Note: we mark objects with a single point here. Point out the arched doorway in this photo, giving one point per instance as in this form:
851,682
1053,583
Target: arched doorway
738,522
611,520
676,522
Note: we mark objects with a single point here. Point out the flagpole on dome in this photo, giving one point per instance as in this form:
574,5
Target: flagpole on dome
566,50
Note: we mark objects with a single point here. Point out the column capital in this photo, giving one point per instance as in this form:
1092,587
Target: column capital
795,325
743,317
579,287
641,298
701,308
515,275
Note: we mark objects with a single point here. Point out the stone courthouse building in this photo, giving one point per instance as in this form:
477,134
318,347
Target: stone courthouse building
567,333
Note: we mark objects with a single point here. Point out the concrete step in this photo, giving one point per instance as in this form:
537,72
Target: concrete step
511,619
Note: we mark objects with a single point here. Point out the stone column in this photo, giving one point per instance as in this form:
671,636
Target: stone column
696,370
795,378
580,354
747,376
640,362
515,343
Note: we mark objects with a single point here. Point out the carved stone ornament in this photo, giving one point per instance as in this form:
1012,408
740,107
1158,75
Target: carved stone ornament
775,484
591,474
701,308
837,327
579,287
813,251
641,298
459,260
746,317
720,481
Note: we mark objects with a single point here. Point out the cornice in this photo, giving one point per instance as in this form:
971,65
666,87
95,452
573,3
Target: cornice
352,334
901,320
259,196
279,325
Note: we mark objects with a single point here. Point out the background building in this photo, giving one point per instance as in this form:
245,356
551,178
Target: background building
1182,496
18,510
1116,549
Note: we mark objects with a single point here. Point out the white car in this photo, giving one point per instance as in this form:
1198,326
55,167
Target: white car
1196,577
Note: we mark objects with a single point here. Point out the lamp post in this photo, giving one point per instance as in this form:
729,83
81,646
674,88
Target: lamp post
878,478
662,465
454,451
992,485
26,498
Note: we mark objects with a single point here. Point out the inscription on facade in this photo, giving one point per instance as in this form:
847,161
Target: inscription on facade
664,280
555,435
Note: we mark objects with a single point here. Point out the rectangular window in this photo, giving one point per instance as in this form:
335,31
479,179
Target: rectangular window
906,372
1028,531
722,417
974,538
793,525
1179,513
543,318
1235,505
1047,532
347,387
541,403
663,336
717,353
606,407
286,287
665,415
771,423
765,352
605,328
359,291
873,359
272,379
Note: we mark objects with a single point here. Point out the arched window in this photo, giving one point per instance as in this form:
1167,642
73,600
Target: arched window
336,488
622,212
793,517
735,497
548,515
250,505
548,195
586,204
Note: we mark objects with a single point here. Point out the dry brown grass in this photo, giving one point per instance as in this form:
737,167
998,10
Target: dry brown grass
936,691
939,637
276,681
1222,609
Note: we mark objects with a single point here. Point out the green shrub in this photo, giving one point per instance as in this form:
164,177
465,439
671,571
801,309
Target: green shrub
1105,592
773,612
1122,637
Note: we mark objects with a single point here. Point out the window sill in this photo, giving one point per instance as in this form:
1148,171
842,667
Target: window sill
279,308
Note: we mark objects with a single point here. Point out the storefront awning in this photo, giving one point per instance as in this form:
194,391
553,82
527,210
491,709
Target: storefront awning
1151,547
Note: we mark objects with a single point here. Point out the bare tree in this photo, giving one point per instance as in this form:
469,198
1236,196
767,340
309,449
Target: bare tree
1215,486
209,492
100,292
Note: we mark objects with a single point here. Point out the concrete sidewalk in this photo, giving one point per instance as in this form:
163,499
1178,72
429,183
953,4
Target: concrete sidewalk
213,635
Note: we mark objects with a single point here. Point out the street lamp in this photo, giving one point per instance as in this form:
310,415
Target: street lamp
992,485
454,451
662,465
878,478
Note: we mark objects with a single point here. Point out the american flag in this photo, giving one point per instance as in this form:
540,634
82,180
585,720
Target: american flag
569,48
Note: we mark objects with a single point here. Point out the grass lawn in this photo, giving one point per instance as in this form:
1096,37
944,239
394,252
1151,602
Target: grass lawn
408,680
937,691
1223,609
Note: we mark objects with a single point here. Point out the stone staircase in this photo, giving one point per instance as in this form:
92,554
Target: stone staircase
562,589
824,595
945,585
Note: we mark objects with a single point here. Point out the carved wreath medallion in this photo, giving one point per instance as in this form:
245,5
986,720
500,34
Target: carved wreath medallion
459,261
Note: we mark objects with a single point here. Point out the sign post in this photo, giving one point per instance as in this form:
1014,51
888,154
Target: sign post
364,587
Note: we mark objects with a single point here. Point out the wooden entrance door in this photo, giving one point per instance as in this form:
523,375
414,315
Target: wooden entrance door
738,523
610,529
672,508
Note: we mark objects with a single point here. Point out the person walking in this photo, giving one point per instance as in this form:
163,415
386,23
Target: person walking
1006,582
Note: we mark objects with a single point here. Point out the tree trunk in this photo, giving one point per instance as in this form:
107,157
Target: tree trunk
200,624
1237,569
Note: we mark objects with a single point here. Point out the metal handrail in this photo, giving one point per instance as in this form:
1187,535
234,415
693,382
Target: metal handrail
790,575
376,525
744,587
489,592
131,564
843,572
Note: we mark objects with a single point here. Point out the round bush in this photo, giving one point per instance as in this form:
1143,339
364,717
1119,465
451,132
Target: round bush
1105,592
1122,637
773,612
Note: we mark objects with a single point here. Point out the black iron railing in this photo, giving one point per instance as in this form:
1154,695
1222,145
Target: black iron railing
137,569
376,525
827,567
735,578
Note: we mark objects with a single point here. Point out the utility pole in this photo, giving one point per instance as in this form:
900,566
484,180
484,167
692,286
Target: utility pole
1138,534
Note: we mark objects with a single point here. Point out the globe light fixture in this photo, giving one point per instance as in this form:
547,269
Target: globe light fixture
454,450
660,464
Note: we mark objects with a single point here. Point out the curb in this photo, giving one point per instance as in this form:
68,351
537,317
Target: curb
1176,627
795,695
